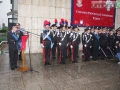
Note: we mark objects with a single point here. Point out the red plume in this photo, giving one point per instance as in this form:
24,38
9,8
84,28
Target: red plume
45,22
60,23
66,22
48,23
62,19
55,21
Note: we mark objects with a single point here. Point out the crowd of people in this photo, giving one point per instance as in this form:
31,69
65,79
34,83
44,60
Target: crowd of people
63,41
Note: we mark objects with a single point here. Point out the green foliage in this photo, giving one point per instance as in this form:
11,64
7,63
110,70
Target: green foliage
3,37
3,25
4,30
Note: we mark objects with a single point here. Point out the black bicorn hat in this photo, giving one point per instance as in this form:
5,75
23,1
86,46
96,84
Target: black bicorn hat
17,24
53,25
75,27
97,28
61,26
13,25
69,27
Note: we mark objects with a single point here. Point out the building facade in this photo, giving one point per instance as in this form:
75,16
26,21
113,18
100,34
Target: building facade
32,13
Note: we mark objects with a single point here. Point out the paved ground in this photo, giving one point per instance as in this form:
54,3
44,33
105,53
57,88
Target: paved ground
93,75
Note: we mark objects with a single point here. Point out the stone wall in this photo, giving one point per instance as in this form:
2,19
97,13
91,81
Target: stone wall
32,13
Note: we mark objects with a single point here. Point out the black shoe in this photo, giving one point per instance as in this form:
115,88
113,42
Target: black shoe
73,61
45,64
64,63
61,62
102,58
86,60
16,67
12,68
76,61
94,59
53,57
48,63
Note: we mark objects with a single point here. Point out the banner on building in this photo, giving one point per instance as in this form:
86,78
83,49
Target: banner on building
94,12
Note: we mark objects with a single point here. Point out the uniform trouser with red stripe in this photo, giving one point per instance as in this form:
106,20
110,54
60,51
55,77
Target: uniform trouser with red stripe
46,51
74,51
87,53
63,53
83,52
58,49
54,49
69,50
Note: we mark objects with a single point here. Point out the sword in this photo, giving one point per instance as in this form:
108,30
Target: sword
103,52
111,51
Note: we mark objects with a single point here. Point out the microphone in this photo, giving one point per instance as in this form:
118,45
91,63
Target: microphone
23,31
27,32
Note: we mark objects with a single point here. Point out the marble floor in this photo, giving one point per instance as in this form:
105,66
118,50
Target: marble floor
93,75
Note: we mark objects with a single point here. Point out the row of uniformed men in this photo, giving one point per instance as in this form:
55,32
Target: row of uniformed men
67,39
62,40
101,41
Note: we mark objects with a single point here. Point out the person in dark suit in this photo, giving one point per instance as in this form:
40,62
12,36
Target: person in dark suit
55,41
103,42
118,52
111,43
19,34
13,47
96,44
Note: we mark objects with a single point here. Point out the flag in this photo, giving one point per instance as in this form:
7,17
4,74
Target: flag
24,39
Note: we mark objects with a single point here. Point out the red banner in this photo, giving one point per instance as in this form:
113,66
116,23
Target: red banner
94,12
24,39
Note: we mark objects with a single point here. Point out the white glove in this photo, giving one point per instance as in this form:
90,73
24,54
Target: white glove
52,43
85,45
115,46
67,45
90,46
42,46
60,44
71,46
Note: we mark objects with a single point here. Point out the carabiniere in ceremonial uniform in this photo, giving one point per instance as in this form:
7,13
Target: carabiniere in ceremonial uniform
87,44
63,41
54,41
46,41
75,41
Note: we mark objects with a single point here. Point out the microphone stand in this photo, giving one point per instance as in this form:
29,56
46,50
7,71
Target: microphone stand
31,68
33,33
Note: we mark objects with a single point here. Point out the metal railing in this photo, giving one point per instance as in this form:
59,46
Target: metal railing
3,37
3,41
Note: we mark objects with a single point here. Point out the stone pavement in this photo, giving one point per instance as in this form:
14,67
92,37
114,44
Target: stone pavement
93,75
